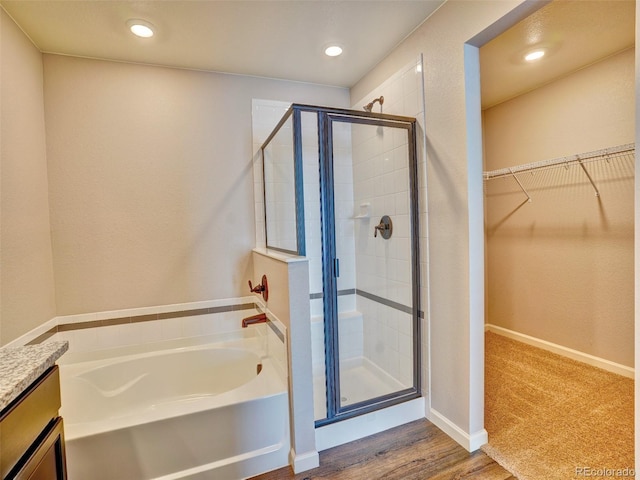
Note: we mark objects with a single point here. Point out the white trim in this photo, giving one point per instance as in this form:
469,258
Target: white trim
476,249
279,256
362,426
592,360
303,462
471,442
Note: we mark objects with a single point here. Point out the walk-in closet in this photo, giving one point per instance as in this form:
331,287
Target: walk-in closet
559,155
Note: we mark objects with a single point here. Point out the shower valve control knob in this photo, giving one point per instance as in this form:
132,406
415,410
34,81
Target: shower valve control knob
385,227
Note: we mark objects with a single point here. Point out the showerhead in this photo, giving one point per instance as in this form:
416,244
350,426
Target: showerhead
369,106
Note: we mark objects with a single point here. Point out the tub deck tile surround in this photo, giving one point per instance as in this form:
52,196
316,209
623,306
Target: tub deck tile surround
65,327
21,366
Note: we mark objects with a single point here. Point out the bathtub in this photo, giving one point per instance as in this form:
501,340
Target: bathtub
183,411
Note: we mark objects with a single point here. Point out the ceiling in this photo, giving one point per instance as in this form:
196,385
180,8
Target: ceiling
574,34
278,39
286,38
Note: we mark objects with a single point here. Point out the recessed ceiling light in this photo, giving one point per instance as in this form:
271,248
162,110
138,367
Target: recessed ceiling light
534,55
140,28
333,51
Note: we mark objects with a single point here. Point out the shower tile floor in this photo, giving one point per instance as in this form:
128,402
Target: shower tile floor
360,380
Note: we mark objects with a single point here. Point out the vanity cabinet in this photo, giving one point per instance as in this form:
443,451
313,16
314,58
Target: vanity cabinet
31,433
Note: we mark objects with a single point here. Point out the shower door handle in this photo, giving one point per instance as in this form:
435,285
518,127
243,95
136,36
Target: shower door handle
336,267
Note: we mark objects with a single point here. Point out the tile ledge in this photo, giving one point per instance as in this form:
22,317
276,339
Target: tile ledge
279,256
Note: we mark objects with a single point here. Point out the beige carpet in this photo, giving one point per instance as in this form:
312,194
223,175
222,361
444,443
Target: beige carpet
549,417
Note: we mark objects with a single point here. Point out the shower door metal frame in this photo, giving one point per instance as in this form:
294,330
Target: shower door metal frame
330,261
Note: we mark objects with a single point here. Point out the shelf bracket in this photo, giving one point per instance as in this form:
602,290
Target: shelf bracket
589,177
520,185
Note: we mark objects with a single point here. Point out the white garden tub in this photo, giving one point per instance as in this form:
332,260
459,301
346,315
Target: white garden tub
195,412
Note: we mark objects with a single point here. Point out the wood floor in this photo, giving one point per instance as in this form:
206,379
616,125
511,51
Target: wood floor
415,451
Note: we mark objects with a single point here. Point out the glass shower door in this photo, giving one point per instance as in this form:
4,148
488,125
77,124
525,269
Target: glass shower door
374,247
371,326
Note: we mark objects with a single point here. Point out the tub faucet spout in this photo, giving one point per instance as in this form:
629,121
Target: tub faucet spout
259,318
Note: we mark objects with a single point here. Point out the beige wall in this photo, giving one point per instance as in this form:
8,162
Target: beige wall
455,201
590,109
151,180
561,267
27,296
139,192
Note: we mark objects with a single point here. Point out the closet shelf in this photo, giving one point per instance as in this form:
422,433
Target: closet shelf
579,159
562,161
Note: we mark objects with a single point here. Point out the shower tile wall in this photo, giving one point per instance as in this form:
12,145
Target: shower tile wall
381,180
343,202
384,266
313,231
345,211
350,332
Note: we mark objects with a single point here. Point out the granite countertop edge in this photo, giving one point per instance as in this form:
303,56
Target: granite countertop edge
21,366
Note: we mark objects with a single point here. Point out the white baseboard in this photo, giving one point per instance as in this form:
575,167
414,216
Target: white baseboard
471,442
305,461
564,351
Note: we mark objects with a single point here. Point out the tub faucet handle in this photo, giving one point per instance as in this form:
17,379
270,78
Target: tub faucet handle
262,288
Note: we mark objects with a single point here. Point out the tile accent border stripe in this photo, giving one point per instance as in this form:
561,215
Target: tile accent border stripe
65,327
271,323
372,297
42,337
276,330
388,303
349,291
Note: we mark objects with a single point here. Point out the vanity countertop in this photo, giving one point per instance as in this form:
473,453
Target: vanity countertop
21,366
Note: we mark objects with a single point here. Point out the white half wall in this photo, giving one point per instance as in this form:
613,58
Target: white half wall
288,300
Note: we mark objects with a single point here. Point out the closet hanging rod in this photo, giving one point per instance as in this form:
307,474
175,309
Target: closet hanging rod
564,161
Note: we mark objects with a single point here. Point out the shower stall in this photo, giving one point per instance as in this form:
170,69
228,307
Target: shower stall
340,187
